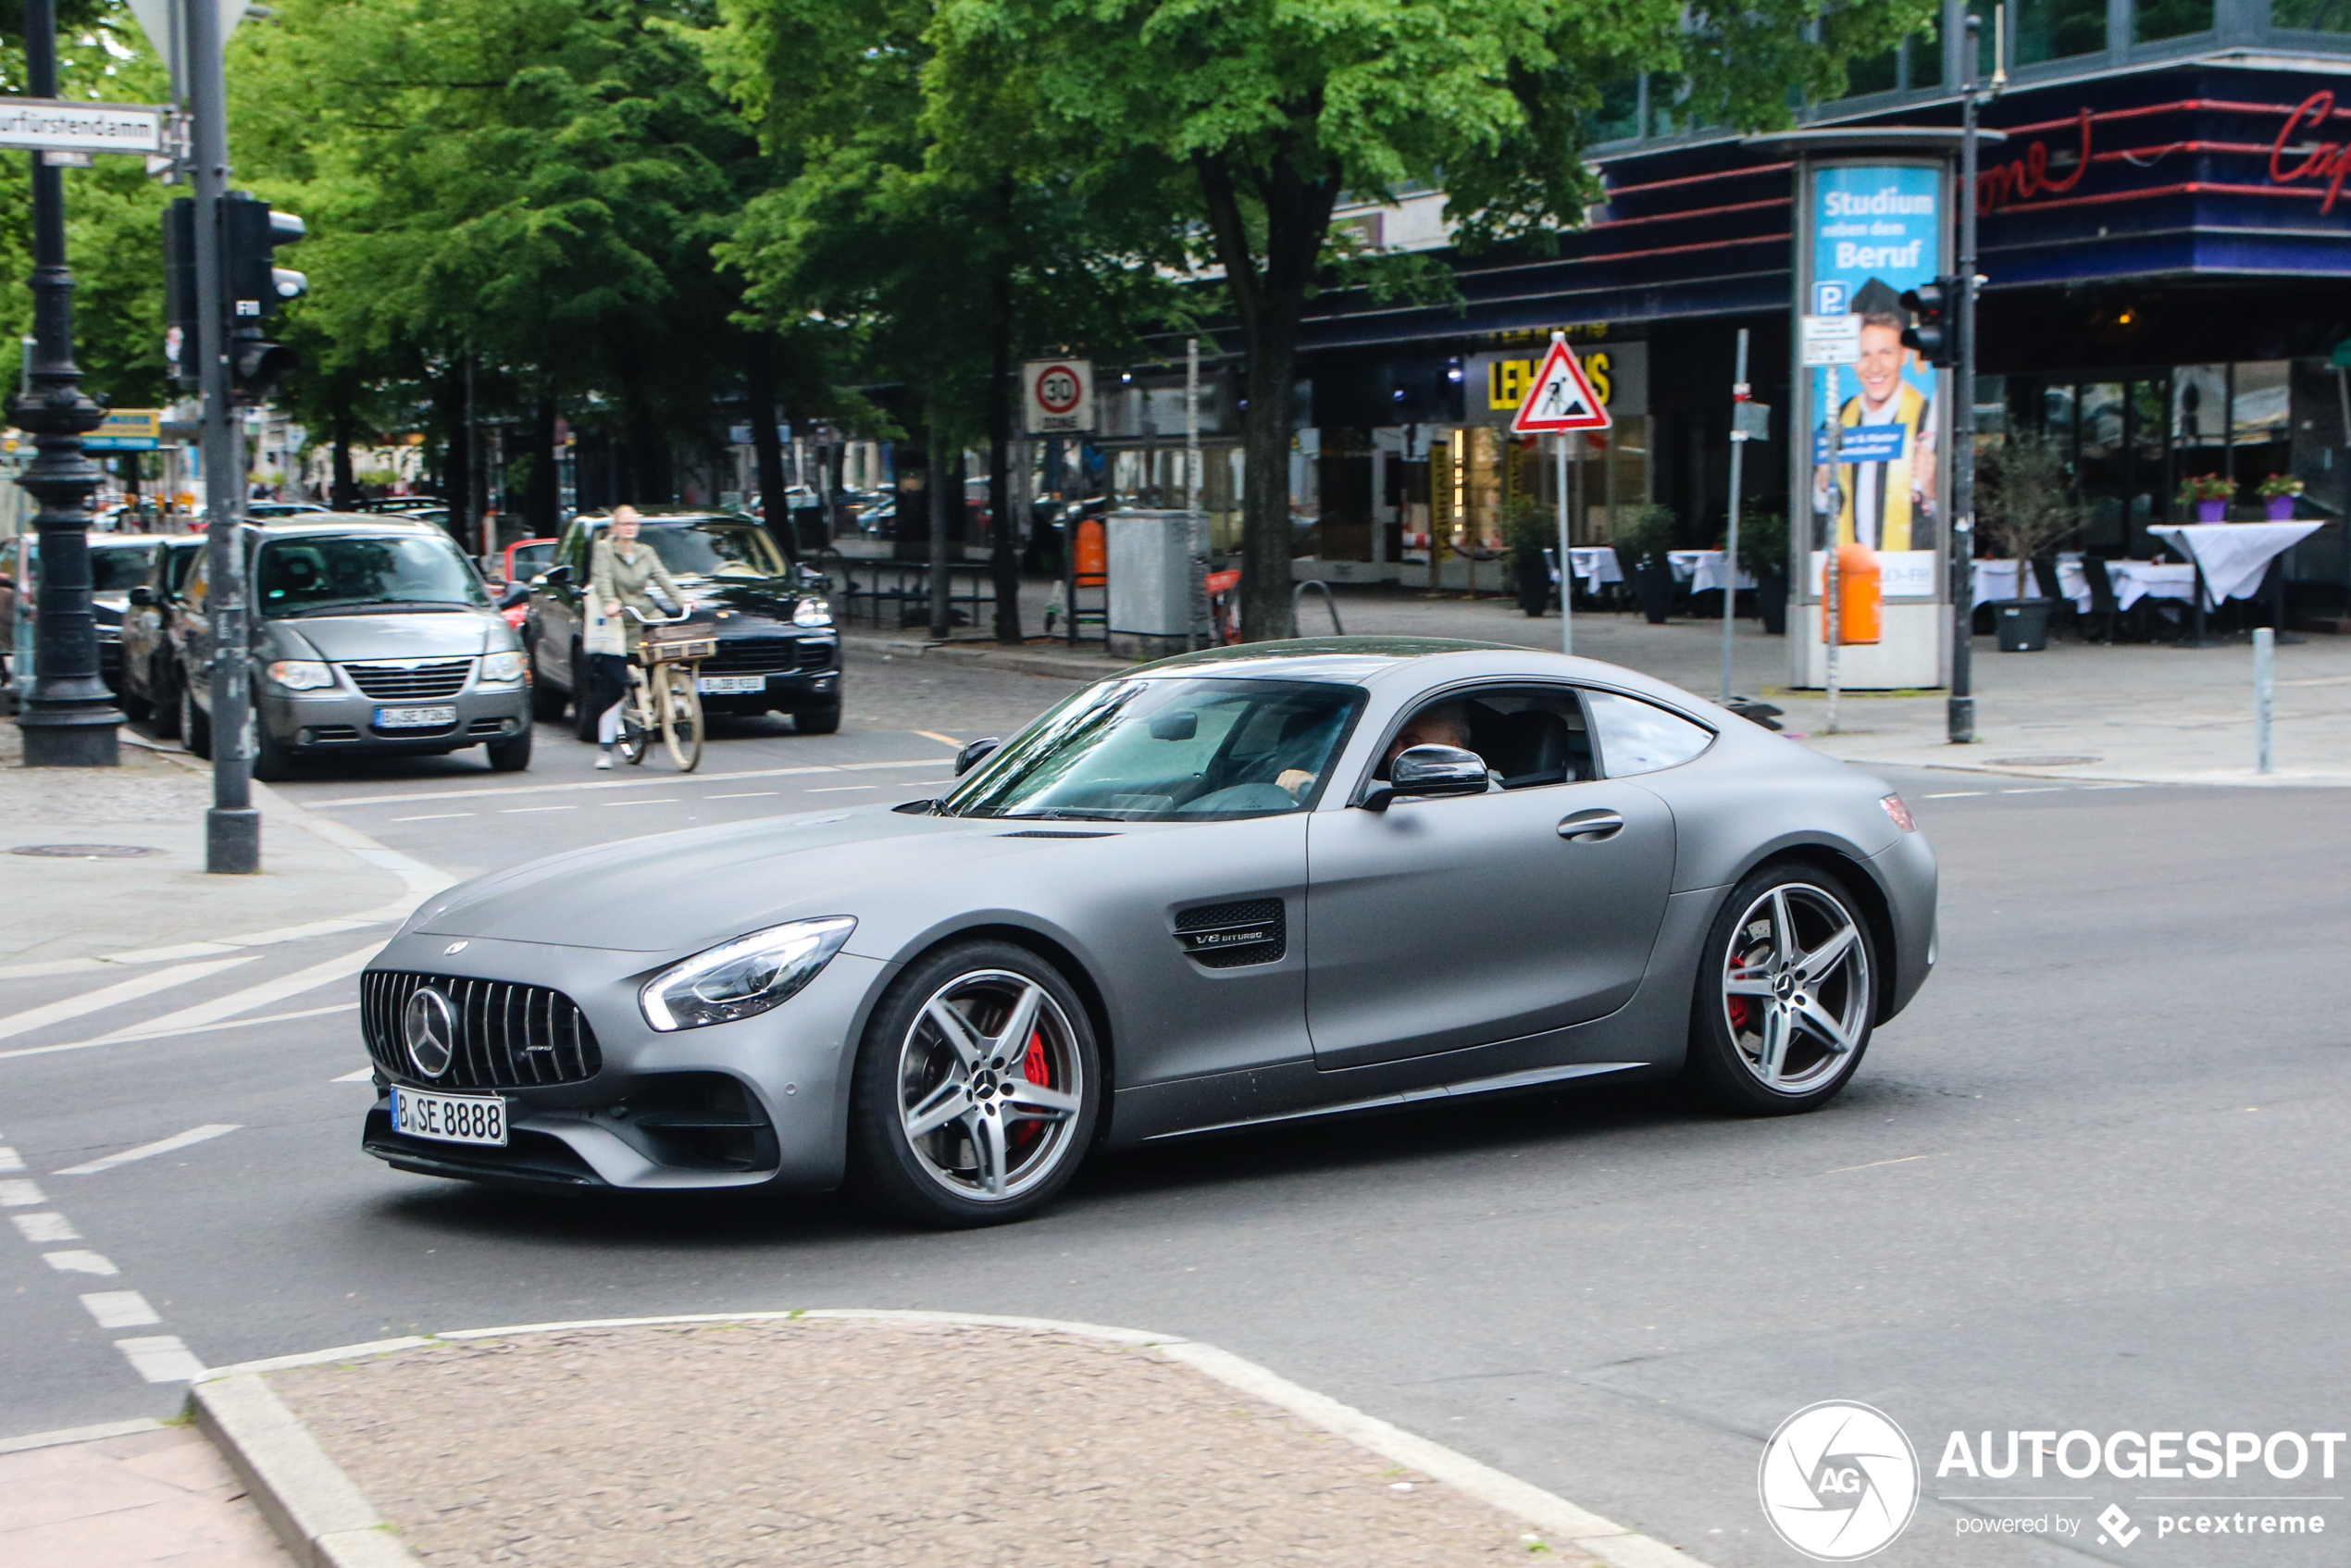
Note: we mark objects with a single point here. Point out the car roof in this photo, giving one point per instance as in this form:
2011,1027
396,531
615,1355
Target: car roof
100,540
654,517
307,523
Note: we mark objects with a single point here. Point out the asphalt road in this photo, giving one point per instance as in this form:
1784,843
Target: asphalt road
2092,1179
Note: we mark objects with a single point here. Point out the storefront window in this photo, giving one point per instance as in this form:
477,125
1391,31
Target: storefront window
2059,29
2311,16
2155,19
2262,422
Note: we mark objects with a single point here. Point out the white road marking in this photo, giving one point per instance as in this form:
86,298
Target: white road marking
505,811
662,801
80,1262
838,789
10,1160
2040,789
121,1309
41,1229
148,1150
262,995
436,817
162,1357
622,783
1954,794
1874,1164
144,1035
747,794
362,1076
19,1195
109,996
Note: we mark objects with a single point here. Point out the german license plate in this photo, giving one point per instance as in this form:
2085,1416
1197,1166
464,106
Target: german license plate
729,685
415,718
450,1118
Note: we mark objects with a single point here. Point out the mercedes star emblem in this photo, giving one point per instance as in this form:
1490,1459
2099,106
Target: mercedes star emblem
432,1032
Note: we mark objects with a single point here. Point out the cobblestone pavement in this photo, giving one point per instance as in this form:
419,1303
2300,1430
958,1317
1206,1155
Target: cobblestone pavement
843,1442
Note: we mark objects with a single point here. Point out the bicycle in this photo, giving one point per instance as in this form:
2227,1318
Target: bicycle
664,693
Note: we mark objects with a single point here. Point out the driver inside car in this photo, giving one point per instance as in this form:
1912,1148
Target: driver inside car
1446,723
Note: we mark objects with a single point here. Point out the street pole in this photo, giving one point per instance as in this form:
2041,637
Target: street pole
69,718
1731,542
233,828
1831,578
1567,562
1961,717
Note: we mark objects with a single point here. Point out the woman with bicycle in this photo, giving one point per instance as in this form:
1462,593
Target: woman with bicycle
623,571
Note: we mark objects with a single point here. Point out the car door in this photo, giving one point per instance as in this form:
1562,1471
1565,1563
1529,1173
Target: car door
193,618
143,628
1444,922
555,608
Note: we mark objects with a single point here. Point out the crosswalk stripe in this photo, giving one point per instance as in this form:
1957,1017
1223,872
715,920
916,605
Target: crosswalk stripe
110,996
245,1001
144,1035
161,1358
148,1150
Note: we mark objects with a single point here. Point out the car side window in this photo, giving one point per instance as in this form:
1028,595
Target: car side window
1637,737
193,593
1529,736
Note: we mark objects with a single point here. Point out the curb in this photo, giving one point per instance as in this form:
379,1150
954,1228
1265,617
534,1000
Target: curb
325,1521
990,655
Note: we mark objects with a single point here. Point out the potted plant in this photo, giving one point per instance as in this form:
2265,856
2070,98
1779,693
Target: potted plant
2279,491
2026,504
1528,528
1642,540
1763,556
2209,494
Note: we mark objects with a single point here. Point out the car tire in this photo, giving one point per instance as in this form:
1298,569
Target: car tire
817,721
166,703
583,721
1785,994
510,755
272,760
195,729
1014,1143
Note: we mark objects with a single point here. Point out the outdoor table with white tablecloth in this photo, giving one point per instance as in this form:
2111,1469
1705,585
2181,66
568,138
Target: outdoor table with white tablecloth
2133,581
1703,570
2236,556
1596,563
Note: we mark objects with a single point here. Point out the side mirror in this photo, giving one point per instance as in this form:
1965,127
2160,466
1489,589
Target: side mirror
142,596
971,757
1425,772
556,577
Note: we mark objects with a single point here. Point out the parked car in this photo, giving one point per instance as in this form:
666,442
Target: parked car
151,636
778,648
1233,889
262,511
369,635
118,562
518,562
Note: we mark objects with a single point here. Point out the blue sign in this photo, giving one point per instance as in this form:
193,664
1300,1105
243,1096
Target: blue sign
1863,443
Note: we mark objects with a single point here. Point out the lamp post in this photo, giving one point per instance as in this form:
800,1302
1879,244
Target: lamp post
69,718
1961,714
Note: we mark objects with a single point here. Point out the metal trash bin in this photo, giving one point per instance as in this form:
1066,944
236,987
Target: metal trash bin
1158,588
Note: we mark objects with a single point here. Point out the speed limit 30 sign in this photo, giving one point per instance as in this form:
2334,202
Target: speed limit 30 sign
1060,395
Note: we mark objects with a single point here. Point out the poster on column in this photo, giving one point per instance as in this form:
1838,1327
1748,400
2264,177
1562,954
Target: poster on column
1876,231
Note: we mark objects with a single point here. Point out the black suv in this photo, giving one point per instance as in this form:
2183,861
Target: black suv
778,649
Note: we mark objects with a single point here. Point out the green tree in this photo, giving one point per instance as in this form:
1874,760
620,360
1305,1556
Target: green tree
1253,116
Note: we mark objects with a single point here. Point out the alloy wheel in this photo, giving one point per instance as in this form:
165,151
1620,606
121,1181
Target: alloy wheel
990,1084
1795,986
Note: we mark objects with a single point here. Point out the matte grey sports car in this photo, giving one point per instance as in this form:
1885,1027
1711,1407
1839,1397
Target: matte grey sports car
1231,888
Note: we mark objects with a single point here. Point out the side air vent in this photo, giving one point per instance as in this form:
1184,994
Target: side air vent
1225,936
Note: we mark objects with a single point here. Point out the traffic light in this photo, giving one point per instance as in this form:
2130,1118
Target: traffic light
1935,329
250,231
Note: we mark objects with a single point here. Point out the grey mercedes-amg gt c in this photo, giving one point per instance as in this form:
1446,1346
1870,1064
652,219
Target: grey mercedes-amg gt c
1228,889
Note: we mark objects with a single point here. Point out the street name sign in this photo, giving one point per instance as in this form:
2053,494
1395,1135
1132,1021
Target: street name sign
126,429
1560,397
1060,395
52,125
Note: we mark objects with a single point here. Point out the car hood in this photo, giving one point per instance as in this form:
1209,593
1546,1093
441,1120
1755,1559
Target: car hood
767,597
409,635
686,890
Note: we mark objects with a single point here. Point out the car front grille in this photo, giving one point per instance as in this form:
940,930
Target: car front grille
399,683
755,656
816,656
333,733
509,1036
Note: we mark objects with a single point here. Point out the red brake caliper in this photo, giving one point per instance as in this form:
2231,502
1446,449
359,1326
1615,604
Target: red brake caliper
1037,1070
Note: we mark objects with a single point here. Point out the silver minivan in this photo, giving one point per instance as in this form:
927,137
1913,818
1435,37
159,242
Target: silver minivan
370,635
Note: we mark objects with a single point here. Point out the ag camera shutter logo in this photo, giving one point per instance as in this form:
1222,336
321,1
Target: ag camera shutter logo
1838,1481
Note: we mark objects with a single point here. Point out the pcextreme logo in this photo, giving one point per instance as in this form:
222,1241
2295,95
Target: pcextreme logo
1838,1481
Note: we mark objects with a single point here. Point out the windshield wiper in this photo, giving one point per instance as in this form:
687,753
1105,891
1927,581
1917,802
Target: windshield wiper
341,606
1061,814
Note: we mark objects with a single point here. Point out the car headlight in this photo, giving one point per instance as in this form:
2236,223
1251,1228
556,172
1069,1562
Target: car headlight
744,977
812,612
301,675
501,669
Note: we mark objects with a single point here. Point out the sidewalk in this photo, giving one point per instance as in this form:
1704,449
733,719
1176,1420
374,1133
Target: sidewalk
161,1498
66,911
2125,713
842,1436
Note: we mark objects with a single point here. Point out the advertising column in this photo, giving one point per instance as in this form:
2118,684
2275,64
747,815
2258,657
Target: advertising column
1868,231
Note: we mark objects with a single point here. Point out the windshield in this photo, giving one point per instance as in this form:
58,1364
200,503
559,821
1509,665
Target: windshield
715,549
1138,751
299,576
117,568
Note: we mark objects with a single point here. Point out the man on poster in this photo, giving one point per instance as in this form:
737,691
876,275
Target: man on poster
1887,451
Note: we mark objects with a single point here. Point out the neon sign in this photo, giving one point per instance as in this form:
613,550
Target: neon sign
2330,161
